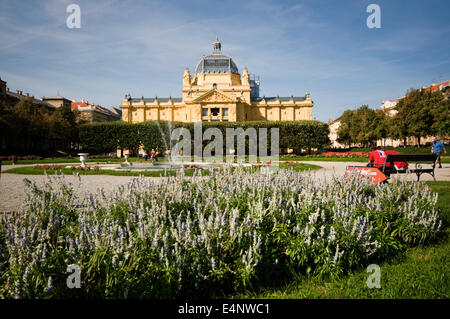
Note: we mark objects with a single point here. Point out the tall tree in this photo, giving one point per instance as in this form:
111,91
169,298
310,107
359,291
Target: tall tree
30,127
420,114
381,124
29,123
440,112
344,131
363,126
367,125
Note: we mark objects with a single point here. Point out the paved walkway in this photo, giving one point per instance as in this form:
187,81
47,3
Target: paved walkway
338,168
12,188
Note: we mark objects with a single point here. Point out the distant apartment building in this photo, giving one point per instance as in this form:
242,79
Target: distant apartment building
89,112
96,113
389,105
444,86
10,98
334,125
116,111
2,87
58,101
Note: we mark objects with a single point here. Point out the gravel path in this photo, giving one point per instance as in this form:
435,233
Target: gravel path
12,188
338,168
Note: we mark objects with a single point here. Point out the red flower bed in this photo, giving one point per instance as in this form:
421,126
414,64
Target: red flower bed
345,154
26,157
80,168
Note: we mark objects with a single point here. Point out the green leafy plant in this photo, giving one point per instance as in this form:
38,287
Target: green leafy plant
223,233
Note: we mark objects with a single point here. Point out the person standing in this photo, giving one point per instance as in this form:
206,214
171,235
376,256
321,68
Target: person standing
436,148
152,155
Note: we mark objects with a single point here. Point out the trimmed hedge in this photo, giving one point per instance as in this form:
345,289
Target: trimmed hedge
109,136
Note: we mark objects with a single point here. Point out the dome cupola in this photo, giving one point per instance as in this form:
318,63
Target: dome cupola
217,62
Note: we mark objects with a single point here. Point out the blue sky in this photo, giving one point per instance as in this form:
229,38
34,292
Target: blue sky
143,47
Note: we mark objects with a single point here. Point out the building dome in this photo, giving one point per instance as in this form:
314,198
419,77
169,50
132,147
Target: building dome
217,62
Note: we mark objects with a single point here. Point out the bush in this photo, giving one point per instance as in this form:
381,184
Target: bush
208,236
100,137
107,137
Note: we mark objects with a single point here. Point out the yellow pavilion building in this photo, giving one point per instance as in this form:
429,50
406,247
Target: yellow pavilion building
217,92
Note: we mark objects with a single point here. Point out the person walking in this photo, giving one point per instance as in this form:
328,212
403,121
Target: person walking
152,155
436,148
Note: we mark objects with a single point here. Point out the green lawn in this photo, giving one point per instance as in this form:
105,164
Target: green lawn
324,158
338,159
300,166
421,272
30,170
76,160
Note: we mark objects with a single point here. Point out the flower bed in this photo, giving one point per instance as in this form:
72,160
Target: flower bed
60,167
206,235
15,157
344,154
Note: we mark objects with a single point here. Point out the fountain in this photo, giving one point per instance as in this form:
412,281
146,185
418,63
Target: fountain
126,163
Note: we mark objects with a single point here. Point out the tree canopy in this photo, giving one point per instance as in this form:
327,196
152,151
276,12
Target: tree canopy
363,126
419,113
26,127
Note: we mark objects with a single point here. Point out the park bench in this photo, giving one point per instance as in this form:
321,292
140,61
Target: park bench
417,164
423,164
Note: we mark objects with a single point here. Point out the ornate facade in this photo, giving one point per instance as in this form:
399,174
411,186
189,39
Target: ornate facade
217,92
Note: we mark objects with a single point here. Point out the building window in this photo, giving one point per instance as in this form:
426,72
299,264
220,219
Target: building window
214,86
225,112
204,112
224,120
215,111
